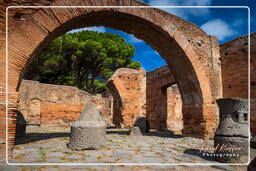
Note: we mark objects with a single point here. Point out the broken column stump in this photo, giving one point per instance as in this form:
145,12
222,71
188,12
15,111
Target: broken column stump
142,123
89,131
231,137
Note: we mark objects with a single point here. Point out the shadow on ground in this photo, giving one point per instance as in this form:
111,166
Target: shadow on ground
165,134
201,154
33,137
120,132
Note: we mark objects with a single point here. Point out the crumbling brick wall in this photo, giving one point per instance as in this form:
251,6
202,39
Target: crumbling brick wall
57,105
128,87
157,83
104,102
174,109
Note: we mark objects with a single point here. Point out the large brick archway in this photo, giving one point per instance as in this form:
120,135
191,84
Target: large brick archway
192,55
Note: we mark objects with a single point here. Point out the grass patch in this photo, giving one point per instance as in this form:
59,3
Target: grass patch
42,154
137,149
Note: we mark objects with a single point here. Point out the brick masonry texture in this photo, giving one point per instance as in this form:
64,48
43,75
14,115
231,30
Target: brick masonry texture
157,83
234,64
174,109
192,55
128,87
57,105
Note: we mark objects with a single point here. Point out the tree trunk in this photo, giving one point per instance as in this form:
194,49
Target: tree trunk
86,79
92,86
78,78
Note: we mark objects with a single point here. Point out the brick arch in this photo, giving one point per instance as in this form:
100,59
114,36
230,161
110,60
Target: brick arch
190,53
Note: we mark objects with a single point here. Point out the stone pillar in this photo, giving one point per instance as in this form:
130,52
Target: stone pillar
174,109
89,132
128,87
232,131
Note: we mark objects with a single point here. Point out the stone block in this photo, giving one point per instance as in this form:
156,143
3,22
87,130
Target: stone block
135,131
231,137
142,123
89,131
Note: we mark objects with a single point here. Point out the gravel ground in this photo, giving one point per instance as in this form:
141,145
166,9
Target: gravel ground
49,145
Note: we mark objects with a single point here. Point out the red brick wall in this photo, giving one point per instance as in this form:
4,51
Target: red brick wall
157,83
59,114
105,104
174,109
57,105
185,47
234,58
128,87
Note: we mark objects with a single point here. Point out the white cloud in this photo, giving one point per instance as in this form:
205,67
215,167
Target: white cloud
95,28
132,39
238,22
218,28
184,12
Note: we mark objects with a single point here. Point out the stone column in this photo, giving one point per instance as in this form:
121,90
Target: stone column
89,132
231,137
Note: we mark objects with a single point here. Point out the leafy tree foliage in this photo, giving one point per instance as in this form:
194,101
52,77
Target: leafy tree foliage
84,59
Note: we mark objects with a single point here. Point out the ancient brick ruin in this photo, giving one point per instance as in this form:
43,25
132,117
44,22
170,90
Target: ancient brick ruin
234,65
133,92
174,109
194,58
128,87
57,105
163,99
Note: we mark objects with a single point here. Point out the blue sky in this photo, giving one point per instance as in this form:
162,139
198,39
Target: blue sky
224,23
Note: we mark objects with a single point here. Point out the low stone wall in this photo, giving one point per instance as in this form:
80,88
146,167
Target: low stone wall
57,105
